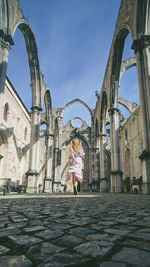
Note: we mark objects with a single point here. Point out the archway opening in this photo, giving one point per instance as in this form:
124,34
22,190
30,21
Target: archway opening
18,70
77,110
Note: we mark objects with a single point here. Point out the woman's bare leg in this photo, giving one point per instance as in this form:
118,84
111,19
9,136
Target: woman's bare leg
74,183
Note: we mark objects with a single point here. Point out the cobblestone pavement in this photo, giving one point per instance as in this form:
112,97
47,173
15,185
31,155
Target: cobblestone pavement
105,230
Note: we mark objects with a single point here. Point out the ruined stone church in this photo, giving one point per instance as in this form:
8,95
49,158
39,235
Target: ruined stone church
116,148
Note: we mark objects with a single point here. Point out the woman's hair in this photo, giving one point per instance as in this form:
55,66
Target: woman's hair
77,144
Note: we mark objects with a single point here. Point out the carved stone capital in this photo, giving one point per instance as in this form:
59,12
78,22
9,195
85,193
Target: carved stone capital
111,111
145,154
32,172
6,40
49,134
102,135
36,108
114,172
142,42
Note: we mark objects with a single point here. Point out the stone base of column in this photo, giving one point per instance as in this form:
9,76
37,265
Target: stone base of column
32,176
48,185
104,185
145,158
116,182
57,187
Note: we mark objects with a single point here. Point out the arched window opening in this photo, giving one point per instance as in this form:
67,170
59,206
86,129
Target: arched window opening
129,80
76,110
6,111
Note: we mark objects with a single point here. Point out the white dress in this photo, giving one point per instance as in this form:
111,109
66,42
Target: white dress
76,165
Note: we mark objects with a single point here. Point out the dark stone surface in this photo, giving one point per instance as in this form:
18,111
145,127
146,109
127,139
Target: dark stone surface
24,240
3,250
42,251
64,260
135,256
103,230
15,261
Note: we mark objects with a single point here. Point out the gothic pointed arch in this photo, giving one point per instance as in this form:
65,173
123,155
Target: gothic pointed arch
116,64
76,101
33,59
127,64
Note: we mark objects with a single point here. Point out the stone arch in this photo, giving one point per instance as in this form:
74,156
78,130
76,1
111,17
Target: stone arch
127,64
33,60
76,101
116,63
130,106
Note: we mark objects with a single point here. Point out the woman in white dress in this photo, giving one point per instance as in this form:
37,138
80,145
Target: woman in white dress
76,164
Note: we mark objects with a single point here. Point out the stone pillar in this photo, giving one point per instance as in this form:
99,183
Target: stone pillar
116,174
4,54
33,173
49,163
103,178
92,155
57,180
141,47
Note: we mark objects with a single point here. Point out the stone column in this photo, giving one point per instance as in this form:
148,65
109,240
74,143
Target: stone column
33,173
103,178
4,54
49,163
116,174
141,47
92,155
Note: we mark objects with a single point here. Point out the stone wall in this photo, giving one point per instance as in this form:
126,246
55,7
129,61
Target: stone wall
14,137
131,145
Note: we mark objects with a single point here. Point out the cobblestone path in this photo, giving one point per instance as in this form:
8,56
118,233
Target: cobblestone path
107,230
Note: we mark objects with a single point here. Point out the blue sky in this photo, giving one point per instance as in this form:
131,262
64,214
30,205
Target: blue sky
73,39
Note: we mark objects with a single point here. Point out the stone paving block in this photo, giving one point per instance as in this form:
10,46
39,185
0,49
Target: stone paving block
24,240
92,249
64,260
145,236
112,264
17,225
142,244
97,237
7,232
15,261
19,219
3,250
133,256
141,223
49,235
69,241
35,222
34,229
42,251
144,230
81,221
81,232
117,231
96,227
59,226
